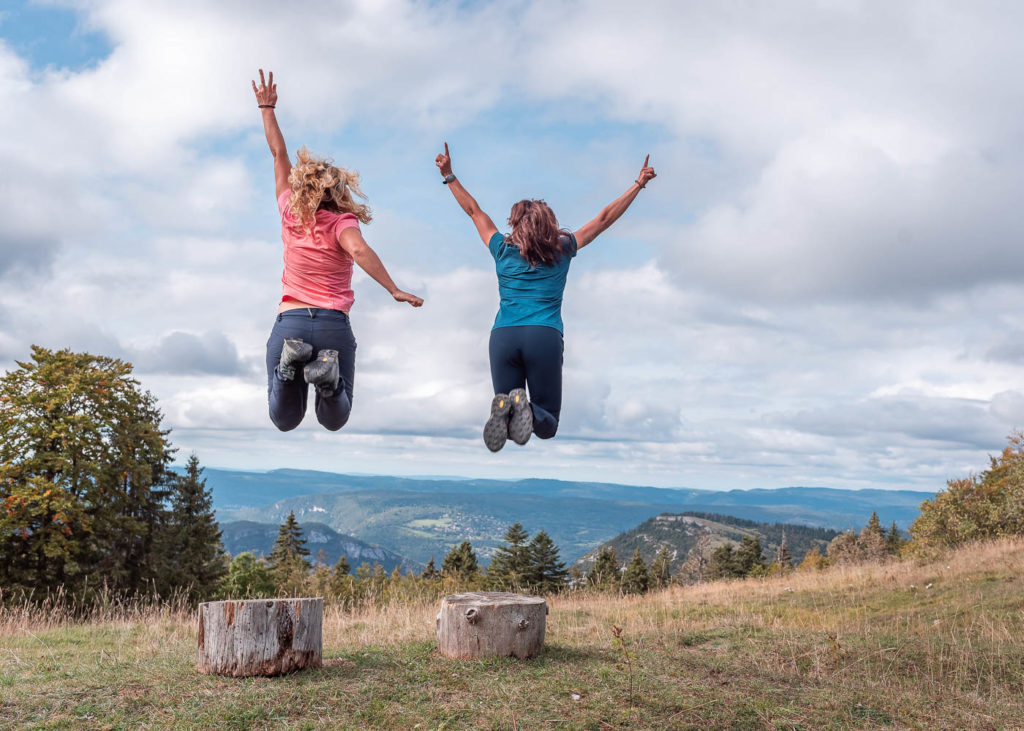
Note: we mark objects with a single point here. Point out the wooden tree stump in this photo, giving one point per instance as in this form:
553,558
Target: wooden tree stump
260,636
490,623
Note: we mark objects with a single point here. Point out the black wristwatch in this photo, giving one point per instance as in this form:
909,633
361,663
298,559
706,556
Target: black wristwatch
448,178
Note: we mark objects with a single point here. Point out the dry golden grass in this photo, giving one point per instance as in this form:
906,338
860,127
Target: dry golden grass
907,644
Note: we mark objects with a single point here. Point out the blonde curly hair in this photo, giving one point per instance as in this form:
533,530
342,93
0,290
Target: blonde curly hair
317,183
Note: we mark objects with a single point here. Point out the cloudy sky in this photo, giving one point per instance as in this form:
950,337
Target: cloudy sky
824,285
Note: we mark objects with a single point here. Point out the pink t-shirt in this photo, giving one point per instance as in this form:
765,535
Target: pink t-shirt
316,269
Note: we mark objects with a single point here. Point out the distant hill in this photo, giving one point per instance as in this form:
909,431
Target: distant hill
420,517
246,535
679,532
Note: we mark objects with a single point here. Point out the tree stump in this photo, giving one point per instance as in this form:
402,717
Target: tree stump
260,636
490,623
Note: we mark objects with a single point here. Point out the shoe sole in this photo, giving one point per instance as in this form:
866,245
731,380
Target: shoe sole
324,373
496,428
294,353
520,426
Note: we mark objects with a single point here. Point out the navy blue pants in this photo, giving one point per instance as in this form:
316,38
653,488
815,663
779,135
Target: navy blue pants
325,330
530,355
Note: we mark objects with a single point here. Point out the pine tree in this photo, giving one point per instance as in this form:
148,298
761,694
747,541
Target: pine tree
510,567
461,563
287,559
723,563
192,542
430,573
635,580
605,574
894,540
546,572
660,571
871,542
749,558
342,568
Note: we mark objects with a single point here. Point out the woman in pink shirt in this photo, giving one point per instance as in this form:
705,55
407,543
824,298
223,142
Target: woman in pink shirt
320,229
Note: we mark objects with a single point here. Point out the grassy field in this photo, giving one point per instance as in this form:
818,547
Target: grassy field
905,645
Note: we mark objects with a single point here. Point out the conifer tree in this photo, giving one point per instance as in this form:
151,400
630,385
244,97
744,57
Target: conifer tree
635,580
342,567
871,542
605,574
547,572
287,559
192,544
461,563
510,567
894,540
430,573
749,558
723,563
660,571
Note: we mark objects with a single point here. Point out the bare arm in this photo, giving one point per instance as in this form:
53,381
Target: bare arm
611,212
352,241
266,97
484,225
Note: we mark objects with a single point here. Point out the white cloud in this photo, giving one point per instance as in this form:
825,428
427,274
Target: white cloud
821,287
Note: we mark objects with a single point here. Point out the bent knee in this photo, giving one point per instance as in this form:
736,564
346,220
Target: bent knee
546,431
285,425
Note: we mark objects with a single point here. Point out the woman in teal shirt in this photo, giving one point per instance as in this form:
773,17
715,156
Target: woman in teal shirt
526,344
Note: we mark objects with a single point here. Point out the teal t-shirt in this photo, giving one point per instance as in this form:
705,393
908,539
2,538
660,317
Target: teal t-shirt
529,296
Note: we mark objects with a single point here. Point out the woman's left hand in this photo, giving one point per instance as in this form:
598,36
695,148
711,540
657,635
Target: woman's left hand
266,92
646,173
412,299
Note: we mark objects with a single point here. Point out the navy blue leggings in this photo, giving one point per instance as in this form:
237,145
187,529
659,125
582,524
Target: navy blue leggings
530,355
326,330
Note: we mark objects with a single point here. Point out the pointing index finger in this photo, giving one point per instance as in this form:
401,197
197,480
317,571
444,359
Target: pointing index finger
647,159
446,150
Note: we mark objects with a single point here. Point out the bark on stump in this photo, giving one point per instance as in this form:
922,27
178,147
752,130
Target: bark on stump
260,636
490,623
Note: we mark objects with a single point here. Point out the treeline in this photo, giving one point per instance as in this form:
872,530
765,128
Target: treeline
88,500
89,505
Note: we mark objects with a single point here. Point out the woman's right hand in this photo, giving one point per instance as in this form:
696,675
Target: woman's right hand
266,92
444,161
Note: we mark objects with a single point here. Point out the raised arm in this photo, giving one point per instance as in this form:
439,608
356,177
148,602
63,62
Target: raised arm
352,241
484,225
611,212
266,97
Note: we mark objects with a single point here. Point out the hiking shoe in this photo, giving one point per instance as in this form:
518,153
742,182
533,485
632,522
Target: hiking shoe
323,372
520,425
496,428
294,353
